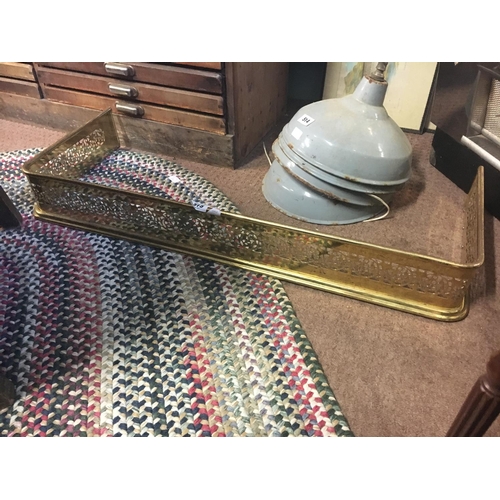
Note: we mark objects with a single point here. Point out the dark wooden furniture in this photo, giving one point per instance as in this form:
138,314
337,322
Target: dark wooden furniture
482,405
211,112
9,218
7,393
9,215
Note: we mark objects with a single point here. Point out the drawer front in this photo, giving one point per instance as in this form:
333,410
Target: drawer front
154,94
158,74
19,71
171,116
207,65
12,86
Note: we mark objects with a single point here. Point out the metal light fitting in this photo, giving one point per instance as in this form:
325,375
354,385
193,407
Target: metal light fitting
349,143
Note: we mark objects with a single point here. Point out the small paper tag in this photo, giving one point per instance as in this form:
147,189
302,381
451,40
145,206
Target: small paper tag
174,179
297,133
200,207
305,120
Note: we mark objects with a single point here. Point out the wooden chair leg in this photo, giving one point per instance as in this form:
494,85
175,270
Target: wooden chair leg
482,405
7,393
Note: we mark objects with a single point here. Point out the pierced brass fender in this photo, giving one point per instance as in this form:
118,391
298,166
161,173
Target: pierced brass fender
405,281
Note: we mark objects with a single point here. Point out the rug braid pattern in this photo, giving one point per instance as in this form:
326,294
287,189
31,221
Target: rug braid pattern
103,337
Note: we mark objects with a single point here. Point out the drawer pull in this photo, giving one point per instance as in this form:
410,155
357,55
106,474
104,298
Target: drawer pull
119,69
129,109
123,90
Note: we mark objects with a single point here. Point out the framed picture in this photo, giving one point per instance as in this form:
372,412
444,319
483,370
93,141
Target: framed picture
408,94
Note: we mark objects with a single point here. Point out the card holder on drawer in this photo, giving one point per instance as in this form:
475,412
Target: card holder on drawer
123,90
172,116
159,74
154,94
119,69
129,109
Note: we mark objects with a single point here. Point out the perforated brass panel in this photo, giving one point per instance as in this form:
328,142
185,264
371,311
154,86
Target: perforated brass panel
405,281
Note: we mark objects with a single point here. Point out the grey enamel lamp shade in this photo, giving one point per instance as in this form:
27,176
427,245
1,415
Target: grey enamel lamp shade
348,145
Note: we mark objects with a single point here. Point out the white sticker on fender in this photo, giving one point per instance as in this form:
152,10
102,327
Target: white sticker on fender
200,207
305,120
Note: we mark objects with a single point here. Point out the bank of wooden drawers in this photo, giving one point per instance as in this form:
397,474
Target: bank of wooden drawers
185,94
215,112
18,78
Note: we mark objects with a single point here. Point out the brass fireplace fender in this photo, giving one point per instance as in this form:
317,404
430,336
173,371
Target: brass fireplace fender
405,281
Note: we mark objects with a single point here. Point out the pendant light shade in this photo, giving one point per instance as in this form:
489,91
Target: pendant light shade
350,143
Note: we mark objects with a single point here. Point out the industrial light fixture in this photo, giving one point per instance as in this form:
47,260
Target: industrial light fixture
340,161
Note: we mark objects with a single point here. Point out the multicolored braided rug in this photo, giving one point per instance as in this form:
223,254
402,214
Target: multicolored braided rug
103,337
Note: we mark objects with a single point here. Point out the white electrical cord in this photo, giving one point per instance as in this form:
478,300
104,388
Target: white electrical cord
267,156
380,217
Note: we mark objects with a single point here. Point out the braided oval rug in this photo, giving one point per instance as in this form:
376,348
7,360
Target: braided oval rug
103,337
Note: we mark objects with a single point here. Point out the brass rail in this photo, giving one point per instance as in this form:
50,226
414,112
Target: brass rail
405,281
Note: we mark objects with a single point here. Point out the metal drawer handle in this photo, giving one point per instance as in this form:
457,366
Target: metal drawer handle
119,69
123,90
129,109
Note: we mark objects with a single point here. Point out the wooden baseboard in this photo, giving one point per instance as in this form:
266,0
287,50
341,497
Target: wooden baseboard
139,134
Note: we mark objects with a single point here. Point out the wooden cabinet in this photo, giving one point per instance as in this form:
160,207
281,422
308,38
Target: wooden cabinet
213,112
168,94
